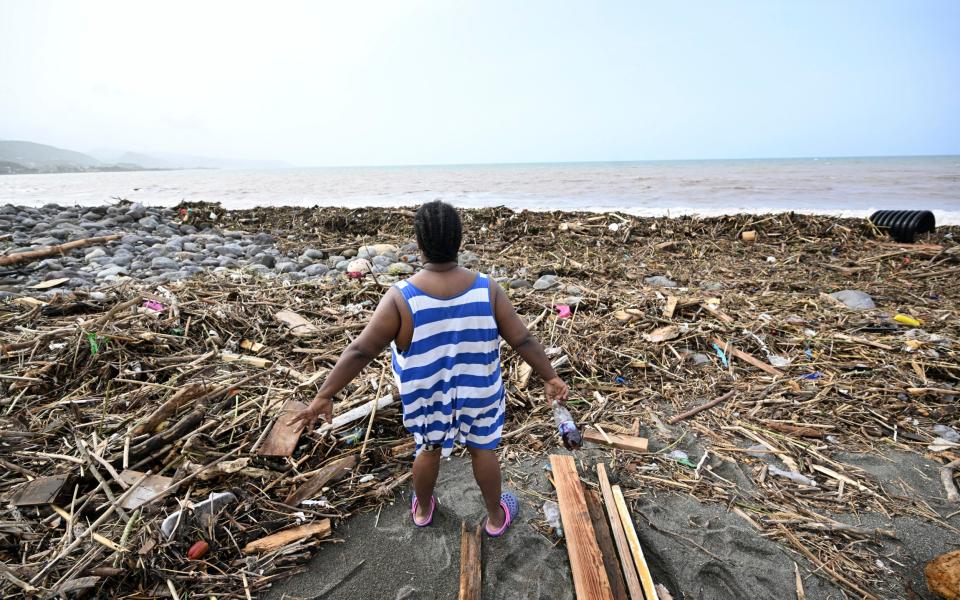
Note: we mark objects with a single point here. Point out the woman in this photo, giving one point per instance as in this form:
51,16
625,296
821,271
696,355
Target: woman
444,326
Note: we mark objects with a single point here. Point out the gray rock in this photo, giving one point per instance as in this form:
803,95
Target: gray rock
854,299
519,284
162,262
660,281
149,223
316,270
313,254
165,231
187,229
266,260
400,268
711,285
228,262
233,250
121,259
103,260
257,268
286,267
342,265
233,234
366,252
545,282
210,262
264,239
699,358
136,211
95,253
111,271
382,260
468,259
333,261
573,290
50,263
349,253
191,247
410,248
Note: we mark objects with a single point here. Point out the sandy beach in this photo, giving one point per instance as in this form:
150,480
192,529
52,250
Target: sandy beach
820,472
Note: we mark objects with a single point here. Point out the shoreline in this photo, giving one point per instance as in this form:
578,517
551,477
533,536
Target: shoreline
165,244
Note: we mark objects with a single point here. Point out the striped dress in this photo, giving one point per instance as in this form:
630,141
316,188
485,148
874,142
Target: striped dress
449,378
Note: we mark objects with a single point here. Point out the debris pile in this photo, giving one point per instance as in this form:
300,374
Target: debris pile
145,437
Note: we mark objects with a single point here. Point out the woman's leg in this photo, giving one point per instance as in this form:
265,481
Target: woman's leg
426,466
486,470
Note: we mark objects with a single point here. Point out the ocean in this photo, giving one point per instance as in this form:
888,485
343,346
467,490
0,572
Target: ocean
840,186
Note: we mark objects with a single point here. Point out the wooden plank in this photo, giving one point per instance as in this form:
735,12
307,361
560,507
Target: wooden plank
152,486
629,568
601,528
288,536
646,580
470,563
297,324
748,358
283,436
616,440
670,308
589,576
327,474
42,490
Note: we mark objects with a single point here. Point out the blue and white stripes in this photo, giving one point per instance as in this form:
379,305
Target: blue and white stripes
449,378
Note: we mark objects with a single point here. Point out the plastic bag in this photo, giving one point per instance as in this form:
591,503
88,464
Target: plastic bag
551,512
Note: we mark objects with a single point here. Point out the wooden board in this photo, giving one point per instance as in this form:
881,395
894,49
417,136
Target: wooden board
327,474
152,486
616,440
470,563
288,536
646,580
747,358
601,528
589,575
42,490
671,307
628,567
283,437
297,324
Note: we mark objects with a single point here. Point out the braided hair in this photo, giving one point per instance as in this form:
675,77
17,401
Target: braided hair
439,231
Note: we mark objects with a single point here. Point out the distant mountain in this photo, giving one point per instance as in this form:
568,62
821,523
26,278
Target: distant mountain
40,158
165,160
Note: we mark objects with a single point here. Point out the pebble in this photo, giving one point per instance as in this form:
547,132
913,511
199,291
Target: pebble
266,260
660,281
286,267
162,262
361,265
519,284
313,254
545,282
316,270
400,268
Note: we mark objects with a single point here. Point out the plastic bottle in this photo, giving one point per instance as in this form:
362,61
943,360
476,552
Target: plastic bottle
567,428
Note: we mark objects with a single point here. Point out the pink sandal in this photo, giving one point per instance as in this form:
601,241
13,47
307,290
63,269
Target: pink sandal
413,511
510,506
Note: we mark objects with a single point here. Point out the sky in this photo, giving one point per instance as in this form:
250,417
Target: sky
451,81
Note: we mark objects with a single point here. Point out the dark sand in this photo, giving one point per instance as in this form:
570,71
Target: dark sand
698,551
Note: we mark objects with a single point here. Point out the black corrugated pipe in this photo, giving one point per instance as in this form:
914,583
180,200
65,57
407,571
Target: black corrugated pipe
904,225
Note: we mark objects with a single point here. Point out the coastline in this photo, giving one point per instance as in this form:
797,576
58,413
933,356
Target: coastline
726,529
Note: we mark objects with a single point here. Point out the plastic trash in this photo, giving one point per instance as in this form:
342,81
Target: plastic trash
723,357
153,305
551,512
793,476
907,320
201,511
681,457
948,433
904,225
563,311
572,440
854,299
